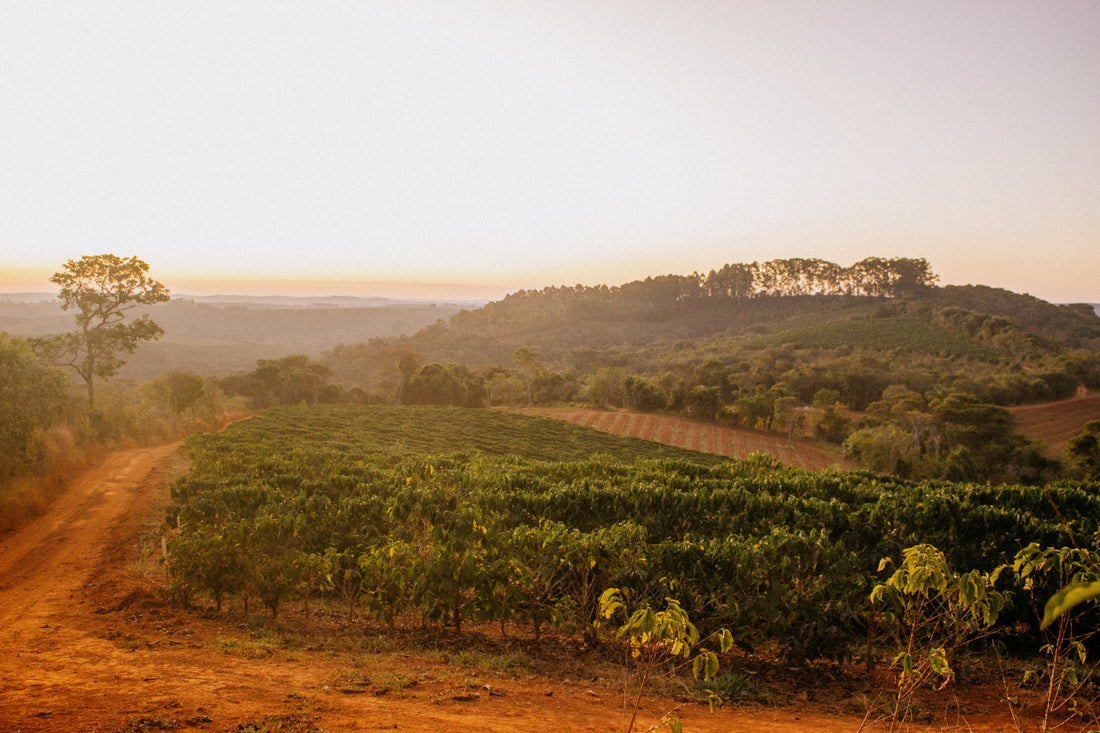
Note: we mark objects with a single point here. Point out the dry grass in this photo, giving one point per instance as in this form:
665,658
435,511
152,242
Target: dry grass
22,498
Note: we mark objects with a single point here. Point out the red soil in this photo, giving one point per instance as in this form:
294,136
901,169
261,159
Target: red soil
700,436
1056,422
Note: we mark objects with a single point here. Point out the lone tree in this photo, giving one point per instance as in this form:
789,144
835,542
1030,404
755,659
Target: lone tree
103,289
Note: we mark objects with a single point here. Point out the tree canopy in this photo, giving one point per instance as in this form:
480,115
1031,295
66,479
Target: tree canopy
103,289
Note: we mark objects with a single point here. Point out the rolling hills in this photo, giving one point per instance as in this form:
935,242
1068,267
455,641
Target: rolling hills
220,335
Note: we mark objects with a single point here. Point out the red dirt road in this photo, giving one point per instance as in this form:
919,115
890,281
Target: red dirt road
86,644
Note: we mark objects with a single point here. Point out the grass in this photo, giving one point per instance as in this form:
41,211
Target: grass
510,662
260,647
738,686
281,723
26,496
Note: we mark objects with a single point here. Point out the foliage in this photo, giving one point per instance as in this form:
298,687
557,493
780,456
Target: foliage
660,639
755,343
178,390
454,514
32,395
704,402
1067,677
1083,452
445,384
1069,598
103,289
938,613
953,436
286,381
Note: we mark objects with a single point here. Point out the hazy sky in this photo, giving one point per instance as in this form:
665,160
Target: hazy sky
488,146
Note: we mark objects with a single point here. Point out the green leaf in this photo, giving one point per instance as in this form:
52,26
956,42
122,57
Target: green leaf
611,600
725,640
1065,599
904,661
697,666
938,661
712,665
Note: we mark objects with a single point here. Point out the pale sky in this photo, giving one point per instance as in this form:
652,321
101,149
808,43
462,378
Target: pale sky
475,148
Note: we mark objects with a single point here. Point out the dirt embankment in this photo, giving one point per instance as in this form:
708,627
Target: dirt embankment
86,644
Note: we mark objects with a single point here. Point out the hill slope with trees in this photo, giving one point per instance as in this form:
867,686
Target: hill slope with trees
909,376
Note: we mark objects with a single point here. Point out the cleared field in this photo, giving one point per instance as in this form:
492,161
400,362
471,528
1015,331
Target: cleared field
1056,422
700,436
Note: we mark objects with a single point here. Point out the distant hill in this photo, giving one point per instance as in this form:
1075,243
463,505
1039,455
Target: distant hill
806,323
218,335
557,322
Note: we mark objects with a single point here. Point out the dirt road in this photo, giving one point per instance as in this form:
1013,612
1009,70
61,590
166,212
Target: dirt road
86,644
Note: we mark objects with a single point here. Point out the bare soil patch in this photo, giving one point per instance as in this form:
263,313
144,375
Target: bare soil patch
1056,422
87,643
683,432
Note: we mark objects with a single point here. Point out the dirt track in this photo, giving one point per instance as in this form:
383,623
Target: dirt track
86,644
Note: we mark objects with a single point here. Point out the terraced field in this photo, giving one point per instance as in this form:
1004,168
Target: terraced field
700,436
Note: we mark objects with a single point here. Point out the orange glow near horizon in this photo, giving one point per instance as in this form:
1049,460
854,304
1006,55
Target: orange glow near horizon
37,280
468,150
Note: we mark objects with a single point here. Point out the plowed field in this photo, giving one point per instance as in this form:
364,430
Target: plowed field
701,436
1056,422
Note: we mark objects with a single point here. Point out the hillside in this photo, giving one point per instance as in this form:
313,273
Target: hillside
877,304
902,376
873,361
1004,347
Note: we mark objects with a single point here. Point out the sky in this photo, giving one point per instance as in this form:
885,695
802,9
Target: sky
470,149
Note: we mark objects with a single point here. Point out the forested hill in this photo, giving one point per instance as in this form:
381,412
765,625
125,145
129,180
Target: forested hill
879,304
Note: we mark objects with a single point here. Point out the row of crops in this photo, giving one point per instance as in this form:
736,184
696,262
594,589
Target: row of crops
448,515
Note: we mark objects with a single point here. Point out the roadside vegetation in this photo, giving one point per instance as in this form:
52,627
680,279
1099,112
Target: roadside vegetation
49,429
